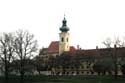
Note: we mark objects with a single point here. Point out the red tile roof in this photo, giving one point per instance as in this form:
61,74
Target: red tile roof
72,50
100,52
53,47
89,52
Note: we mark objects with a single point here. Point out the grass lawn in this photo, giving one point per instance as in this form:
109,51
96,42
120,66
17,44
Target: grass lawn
65,79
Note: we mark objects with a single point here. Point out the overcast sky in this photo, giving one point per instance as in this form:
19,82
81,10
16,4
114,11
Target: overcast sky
90,21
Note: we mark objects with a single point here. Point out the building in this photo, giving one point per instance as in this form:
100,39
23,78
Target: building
56,48
62,47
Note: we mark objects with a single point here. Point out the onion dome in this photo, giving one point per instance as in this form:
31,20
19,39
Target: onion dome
64,27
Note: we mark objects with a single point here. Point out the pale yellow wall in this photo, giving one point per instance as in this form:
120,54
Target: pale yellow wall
64,46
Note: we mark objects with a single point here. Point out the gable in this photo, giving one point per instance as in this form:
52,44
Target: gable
53,47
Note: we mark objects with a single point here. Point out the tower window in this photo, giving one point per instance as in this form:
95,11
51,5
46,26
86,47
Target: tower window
62,39
67,39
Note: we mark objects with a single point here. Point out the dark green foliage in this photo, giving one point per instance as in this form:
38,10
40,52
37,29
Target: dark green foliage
103,65
67,61
123,69
65,79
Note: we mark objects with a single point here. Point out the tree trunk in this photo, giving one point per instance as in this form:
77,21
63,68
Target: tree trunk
22,73
22,77
6,70
115,62
21,70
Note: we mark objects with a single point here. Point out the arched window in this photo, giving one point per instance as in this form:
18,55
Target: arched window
62,39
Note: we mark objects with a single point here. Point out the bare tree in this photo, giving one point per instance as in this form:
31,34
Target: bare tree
117,42
25,47
6,51
107,42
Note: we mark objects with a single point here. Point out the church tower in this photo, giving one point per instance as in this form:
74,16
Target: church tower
64,37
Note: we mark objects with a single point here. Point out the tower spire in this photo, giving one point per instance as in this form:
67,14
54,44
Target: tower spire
64,15
64,27
64,21
64,37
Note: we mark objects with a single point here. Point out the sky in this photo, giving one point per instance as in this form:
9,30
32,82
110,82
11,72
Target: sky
90,21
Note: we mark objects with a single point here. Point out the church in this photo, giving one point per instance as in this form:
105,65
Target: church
89,65
56,48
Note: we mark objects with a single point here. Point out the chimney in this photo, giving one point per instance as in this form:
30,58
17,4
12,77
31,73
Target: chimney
115,46
97,47
78,47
